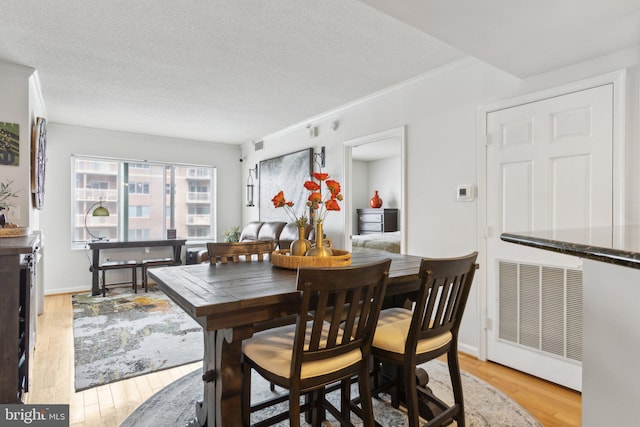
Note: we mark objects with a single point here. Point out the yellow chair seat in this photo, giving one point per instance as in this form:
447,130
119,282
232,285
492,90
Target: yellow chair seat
273,350
393,328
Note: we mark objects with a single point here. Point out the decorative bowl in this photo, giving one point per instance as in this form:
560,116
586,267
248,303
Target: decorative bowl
14,231
282,258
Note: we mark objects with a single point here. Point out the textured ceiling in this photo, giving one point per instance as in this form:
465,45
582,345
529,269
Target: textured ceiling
214,70
525,37
235,71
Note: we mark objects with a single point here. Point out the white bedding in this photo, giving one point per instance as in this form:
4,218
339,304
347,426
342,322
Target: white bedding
389,242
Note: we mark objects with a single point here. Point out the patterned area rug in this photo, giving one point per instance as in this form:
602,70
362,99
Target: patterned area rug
485,406
124,335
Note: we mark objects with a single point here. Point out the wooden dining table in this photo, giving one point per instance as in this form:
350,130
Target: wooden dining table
233,300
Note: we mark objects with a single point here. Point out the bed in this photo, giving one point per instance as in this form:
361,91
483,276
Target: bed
389,242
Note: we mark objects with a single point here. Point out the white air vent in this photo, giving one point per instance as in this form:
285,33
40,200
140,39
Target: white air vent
541,307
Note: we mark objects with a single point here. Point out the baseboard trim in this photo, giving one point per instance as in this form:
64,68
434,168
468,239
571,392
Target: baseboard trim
468,349
71,290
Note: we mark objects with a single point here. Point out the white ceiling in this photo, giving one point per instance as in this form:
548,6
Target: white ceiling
524,37
235,71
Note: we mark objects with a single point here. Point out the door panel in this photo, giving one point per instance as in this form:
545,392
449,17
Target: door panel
549,166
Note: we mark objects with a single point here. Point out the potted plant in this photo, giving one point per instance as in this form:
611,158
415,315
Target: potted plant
232,235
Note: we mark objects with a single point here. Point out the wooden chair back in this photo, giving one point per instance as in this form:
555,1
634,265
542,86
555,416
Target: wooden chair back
224,252
354,297
443,294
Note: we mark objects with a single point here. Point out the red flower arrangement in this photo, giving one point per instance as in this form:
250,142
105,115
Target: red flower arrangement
279,201
319,203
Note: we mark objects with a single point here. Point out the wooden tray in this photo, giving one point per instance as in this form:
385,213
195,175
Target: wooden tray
14,232
282,258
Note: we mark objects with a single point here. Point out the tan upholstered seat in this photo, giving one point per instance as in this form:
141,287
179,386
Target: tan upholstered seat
274,348
405,338
314,353
393,329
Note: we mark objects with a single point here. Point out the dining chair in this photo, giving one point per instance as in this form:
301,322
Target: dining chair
405,338
314,353
253,250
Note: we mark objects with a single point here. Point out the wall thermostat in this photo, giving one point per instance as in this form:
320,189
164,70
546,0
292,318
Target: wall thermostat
465,193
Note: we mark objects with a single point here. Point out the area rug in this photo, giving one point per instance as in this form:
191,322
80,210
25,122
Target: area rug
125,334
484,405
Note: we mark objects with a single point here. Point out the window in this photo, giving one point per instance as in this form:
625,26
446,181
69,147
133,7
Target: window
138,211
100,185
138,188
143,199
139,234
139,165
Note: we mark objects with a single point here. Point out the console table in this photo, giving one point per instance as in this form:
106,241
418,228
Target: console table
96,247
611,319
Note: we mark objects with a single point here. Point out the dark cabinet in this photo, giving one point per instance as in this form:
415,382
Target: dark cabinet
377,220
17,315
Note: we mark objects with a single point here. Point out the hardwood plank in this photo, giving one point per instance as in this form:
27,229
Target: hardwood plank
119,395
109,405
131,391
551,404
76,408
144,388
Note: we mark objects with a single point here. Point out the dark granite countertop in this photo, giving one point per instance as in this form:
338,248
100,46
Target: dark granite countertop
614,245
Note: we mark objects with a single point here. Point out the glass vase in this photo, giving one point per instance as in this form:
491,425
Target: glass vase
301,246
318,249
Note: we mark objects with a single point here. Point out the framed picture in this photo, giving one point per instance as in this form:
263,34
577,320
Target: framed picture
9,144
38,161
286,173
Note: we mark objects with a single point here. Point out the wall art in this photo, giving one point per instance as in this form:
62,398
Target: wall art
287,173
9,144
38,161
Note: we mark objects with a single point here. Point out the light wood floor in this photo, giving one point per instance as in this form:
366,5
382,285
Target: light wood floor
108,405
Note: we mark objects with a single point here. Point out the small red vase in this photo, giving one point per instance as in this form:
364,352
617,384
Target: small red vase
375,201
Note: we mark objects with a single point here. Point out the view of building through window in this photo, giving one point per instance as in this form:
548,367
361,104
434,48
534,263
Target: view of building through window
144,200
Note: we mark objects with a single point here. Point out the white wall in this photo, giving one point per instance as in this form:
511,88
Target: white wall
440,113
67,270
384,176
360,187
37,109
14,108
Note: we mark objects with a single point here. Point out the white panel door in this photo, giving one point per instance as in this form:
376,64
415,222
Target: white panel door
549,166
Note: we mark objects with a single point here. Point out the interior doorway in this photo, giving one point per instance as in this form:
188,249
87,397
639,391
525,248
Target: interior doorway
386,146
